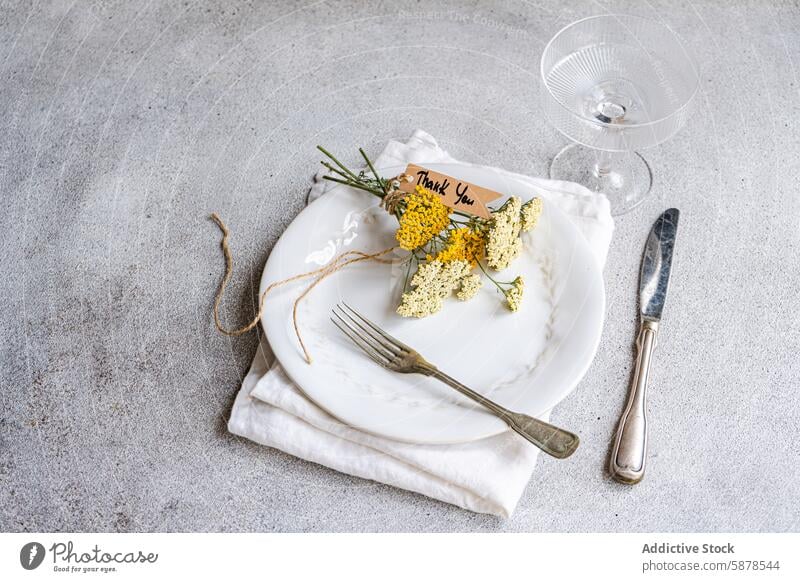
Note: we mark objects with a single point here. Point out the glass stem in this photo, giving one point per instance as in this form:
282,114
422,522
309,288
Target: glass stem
603,166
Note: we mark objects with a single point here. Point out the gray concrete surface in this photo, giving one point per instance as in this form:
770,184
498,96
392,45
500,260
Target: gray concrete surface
124,124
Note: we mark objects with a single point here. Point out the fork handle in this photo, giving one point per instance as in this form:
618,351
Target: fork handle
552,440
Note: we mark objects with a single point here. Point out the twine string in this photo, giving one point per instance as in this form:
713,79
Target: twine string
394,196
339,262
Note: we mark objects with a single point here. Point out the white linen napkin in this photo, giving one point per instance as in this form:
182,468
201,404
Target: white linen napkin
486,476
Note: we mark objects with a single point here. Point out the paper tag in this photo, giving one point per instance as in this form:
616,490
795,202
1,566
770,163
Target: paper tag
455,193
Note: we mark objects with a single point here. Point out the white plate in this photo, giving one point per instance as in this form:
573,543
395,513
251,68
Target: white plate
527,361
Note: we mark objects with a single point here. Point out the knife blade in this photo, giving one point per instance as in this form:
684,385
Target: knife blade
629,452
657,265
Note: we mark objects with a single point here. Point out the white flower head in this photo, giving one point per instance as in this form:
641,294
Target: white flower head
529,214
432,282
503,244
469,287
514,294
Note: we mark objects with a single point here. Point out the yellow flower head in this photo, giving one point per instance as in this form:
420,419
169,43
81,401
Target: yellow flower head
463,244
424,217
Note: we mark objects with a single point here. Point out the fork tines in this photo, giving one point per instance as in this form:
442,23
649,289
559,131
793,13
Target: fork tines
375,342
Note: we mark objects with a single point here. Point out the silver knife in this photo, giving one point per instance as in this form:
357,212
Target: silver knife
630,445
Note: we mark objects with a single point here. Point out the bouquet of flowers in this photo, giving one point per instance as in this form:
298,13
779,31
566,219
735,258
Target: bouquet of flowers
449,251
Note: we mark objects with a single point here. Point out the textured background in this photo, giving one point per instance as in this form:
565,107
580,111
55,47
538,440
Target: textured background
124,124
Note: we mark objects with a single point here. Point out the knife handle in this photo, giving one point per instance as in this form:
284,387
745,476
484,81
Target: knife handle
630,446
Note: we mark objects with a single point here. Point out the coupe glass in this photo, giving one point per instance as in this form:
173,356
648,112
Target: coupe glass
615,84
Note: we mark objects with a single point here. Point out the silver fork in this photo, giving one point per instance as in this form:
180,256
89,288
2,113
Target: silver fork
394,355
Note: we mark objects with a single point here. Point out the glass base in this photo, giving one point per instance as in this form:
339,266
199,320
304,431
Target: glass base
624,177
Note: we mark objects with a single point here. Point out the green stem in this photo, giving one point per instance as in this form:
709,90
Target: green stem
336,170
372,169
408,272
464,214
337,162
358,185
491,278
